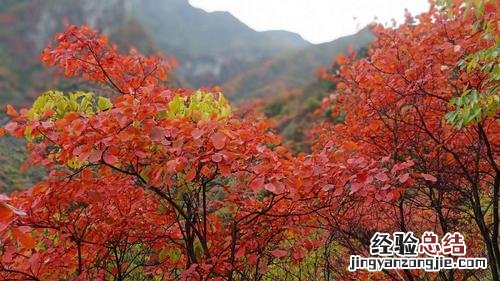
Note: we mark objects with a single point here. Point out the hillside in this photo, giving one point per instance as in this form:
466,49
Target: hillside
211,47
32,24
293,70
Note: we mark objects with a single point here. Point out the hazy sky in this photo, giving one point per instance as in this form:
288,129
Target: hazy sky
316,20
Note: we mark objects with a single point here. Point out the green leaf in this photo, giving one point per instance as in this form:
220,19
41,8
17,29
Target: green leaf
104,103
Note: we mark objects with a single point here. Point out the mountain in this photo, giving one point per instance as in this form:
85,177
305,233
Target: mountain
295,111
292,70
211,47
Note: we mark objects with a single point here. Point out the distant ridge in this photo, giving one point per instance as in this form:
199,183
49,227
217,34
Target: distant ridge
292,70
211,47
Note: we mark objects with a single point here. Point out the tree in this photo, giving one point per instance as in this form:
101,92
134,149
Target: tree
395,101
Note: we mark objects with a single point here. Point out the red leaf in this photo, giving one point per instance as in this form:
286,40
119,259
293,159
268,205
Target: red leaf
11,127
328,187
338,191
172,166
274,188
279,253
95,156
196,133
7,211
110,159
257,183
299,254
157,134
4,225
252,259
404,177
381,177
240,253
355,186
15,210
428,177
218,140
2,132
217,157
393,195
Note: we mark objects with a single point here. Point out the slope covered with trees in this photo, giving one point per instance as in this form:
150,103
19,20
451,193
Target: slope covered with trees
292,70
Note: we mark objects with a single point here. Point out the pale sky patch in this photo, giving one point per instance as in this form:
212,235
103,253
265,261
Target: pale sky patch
315,20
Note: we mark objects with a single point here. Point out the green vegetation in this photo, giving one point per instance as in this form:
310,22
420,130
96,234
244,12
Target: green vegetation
292,70
12,157
200,106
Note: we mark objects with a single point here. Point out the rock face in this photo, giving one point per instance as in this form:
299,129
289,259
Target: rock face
28,26
37,21
105,15
211,47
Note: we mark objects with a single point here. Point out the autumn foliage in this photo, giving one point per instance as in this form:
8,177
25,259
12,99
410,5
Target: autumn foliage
148,182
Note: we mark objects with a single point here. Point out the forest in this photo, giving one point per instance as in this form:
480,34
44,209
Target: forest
144,178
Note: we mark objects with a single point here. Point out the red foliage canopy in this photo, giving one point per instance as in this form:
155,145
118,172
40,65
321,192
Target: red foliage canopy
136,192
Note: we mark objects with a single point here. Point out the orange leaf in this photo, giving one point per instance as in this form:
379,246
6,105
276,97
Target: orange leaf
206,171
5,212
48,113
191,174
341,59
25,239
11,111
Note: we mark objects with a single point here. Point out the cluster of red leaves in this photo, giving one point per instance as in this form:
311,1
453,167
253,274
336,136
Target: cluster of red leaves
80,51
395,100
